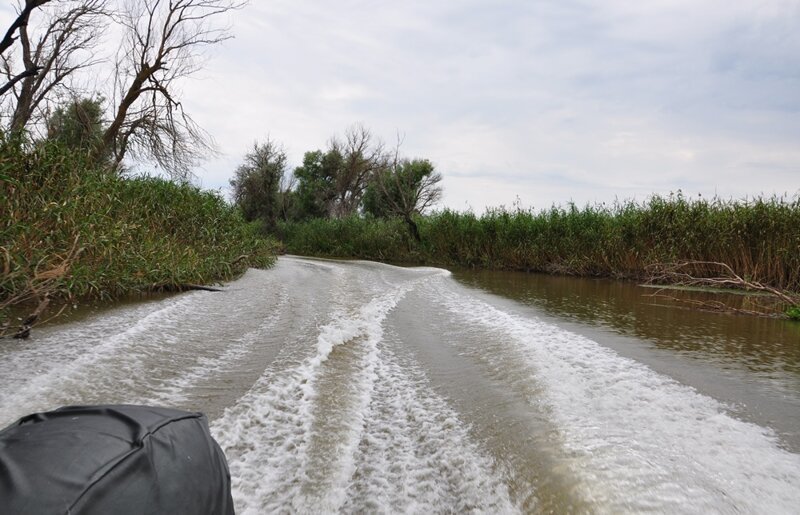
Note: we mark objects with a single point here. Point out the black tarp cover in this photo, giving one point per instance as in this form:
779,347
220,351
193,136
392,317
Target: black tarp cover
112,460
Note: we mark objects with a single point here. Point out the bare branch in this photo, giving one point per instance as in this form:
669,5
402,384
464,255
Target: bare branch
20,21
163,40
695,273
24,75
65,46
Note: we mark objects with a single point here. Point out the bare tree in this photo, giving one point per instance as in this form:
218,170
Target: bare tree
66,45
362,157
163,41
8,39
286,195
20,21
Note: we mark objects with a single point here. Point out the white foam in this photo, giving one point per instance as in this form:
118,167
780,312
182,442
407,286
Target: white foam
280,460
41,381
415,455
639,440
175,391
265,435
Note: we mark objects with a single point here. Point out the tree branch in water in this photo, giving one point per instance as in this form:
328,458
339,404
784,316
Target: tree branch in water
687,273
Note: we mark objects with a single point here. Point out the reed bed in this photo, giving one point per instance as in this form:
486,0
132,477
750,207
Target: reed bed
69,230
758,238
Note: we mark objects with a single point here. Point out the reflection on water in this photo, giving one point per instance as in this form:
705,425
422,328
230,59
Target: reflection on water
750,363
763,345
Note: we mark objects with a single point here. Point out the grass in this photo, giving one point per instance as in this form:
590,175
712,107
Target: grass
73,231
759,238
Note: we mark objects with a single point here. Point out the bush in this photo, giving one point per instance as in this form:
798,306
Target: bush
71,230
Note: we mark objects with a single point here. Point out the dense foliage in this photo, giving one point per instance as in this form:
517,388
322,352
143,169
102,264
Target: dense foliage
68,229
257,184
72,224
759,239
77,124
354,175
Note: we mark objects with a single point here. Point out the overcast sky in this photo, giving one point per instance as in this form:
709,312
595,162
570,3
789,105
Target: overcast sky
542,101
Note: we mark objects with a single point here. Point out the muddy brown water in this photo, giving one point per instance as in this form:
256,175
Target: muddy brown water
362,387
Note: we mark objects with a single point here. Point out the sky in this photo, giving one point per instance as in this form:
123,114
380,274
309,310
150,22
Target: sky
521,103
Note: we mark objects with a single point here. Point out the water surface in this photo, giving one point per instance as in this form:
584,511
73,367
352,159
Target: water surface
361,387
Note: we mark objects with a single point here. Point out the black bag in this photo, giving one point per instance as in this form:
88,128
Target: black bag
113,460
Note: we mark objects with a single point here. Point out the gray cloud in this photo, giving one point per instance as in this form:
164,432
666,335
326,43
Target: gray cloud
550,101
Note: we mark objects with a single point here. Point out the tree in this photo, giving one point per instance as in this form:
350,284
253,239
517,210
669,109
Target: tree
332,183
161,45
77,124
8,40
69,35
361,157
257,183
405,189
287,198
316,184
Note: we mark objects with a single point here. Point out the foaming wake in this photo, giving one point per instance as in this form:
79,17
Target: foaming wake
266,434
415,455
60,365
638,440
176,390
347,429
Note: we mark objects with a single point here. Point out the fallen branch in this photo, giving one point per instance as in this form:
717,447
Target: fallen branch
186,287
40,288
680,274
24,330
712,305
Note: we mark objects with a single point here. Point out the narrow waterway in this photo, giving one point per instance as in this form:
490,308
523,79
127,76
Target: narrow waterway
362,387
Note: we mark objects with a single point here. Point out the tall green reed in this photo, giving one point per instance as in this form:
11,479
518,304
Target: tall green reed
759,238
72,230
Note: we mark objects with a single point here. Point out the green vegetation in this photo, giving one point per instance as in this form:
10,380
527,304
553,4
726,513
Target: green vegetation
69,229
759,239
403,189
793,313
358,200
355,175
257,184
73,222
351,237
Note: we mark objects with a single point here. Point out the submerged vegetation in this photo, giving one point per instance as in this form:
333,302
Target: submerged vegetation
759,239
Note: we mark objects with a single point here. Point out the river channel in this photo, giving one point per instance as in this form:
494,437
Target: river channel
363,387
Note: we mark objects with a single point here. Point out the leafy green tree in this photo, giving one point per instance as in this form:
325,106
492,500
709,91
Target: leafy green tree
333,183
257,183
403,190
77,124
316,184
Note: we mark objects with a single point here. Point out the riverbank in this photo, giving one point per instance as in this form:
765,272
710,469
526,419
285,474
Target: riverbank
759,238
69,231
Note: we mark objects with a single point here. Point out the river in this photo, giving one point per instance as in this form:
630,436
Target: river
363,387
